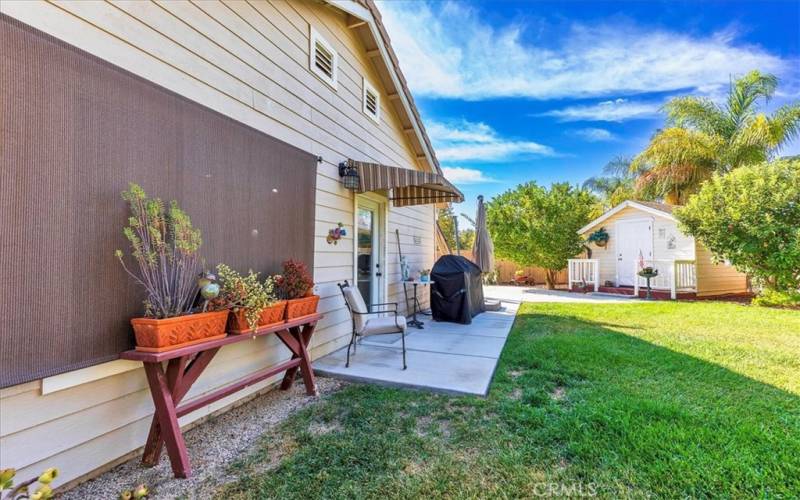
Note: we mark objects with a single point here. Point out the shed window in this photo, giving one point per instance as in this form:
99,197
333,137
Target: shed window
372,101
323,59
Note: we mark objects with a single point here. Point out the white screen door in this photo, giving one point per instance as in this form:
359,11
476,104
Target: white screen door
369,250
633,237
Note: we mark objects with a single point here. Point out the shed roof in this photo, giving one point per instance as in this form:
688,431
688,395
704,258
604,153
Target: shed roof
651,207
663,207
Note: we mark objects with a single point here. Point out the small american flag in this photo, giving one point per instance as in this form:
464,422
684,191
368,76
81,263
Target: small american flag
641,260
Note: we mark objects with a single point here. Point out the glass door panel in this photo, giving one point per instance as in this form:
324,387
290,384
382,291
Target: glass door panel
365,252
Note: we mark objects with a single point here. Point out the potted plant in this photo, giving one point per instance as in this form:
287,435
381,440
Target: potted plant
253,303
425,275
164,246
297,287
599,237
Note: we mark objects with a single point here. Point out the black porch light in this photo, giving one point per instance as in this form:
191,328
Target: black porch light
349,175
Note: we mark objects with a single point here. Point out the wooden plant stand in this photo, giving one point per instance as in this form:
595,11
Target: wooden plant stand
184,367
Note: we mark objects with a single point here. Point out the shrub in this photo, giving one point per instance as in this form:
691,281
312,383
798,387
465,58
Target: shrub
751,217
295,282
10,491
165,247
774,298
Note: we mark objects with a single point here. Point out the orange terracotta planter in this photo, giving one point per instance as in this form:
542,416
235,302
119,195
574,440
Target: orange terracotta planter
271,315
297,308
158,335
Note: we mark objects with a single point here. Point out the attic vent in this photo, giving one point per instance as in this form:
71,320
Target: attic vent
323,59
372,101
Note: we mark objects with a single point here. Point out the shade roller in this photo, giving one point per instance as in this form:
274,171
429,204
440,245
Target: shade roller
407,187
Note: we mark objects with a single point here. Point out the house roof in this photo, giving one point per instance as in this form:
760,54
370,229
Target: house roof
651,207
364,19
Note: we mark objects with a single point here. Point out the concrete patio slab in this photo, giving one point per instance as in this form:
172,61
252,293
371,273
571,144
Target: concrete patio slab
537,294
450,343
453,374
443,357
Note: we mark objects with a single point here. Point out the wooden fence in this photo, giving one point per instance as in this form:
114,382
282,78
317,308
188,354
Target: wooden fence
506,270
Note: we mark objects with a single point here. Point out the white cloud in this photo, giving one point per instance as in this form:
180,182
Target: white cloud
478,142
479,61
593,134
607,111
461,175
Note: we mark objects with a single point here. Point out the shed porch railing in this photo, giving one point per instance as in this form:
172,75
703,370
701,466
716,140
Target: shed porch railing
673,275
583,271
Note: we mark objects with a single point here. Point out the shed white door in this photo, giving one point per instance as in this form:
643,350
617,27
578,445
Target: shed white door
633,237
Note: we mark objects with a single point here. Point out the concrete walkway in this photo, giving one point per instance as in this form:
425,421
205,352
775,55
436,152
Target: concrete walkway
536,294
443,357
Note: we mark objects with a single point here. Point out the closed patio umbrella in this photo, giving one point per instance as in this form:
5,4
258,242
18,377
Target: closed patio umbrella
483,249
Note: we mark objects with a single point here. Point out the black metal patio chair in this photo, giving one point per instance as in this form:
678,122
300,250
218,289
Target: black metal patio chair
367,320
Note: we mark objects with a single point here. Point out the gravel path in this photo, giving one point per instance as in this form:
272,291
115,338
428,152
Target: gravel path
213,446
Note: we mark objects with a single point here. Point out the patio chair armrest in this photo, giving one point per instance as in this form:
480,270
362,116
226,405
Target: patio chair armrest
389,305
373,313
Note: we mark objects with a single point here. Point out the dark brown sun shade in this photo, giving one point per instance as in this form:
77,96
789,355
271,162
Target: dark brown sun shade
75,130
408,187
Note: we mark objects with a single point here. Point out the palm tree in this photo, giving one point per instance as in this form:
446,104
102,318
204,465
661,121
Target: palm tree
704,137
616,185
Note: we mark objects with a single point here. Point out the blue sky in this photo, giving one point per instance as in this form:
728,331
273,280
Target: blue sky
551,91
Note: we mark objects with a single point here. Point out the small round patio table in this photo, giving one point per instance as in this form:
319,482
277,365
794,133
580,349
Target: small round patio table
414,321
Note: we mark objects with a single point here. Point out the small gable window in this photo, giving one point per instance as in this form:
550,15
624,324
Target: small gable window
372,101
323,59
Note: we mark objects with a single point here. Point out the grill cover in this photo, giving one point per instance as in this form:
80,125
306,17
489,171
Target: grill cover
457,291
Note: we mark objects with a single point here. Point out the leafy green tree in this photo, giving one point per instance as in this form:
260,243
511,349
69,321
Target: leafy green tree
534,226
466,236
703,138
616,185
751,217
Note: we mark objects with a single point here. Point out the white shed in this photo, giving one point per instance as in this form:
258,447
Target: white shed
646,233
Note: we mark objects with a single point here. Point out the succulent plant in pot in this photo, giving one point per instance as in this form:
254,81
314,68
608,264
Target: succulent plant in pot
253,303
165,248
296,285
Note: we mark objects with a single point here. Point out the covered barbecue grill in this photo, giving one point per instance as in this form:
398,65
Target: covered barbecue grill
457,291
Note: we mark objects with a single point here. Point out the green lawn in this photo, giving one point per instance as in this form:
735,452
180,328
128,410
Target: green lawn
639,400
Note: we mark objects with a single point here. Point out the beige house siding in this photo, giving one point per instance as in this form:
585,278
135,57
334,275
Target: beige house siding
663,229
717,279
249,61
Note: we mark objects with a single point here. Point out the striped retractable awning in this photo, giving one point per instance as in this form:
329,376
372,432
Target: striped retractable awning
406,187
